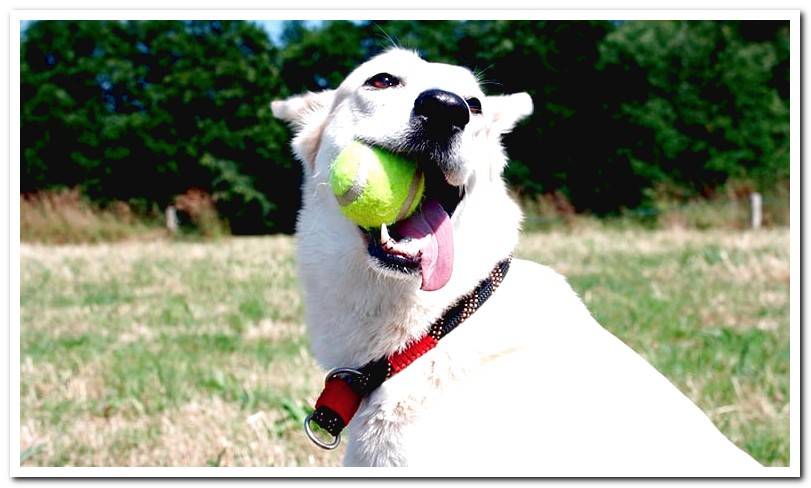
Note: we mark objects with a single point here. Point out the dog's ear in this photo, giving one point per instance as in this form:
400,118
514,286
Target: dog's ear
504,111
298,109
307,114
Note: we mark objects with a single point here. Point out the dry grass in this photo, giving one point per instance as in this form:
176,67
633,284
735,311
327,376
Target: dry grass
61,216
179,353
729,208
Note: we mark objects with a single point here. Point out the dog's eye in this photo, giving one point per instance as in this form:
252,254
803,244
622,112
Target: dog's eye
383,80
475,105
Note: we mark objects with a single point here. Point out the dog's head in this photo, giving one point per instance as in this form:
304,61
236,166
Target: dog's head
435,114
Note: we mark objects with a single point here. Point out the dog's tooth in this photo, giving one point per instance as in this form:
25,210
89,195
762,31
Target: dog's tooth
384,234
410,247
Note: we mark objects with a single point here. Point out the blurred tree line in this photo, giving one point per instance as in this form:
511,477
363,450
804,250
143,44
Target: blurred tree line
143,111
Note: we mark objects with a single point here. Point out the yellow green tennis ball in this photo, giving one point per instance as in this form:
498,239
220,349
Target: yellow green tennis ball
375,187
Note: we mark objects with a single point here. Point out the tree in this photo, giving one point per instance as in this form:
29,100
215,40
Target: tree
145,110
709,100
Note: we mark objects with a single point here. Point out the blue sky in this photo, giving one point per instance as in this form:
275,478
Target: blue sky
274,27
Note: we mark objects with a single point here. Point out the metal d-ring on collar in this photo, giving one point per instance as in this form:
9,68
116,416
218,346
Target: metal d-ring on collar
336,440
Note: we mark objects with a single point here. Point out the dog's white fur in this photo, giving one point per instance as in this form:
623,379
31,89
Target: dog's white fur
530,381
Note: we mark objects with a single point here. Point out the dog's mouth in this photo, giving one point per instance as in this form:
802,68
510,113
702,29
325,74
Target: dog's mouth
422,243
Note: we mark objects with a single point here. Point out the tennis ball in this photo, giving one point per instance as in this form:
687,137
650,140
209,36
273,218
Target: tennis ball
375,187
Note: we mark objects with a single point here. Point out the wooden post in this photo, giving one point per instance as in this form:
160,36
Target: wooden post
757,209
171,219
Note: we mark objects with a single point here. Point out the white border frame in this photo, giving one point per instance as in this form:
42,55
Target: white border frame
793,16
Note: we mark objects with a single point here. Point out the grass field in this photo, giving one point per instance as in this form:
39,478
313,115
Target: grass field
179,353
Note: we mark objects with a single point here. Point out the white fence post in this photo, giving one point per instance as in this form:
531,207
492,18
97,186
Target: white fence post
171,218
757,209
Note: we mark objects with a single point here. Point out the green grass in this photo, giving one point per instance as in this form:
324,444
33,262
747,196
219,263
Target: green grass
189,353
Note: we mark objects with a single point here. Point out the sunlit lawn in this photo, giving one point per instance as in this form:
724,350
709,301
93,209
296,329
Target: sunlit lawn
177,353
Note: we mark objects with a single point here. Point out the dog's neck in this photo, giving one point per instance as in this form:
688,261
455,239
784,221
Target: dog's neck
356,314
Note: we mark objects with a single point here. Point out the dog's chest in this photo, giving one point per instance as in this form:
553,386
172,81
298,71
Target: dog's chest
422,412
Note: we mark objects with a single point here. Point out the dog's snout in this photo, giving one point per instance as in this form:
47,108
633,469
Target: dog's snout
442,110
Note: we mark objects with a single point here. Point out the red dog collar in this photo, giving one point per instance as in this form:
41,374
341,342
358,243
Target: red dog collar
344,388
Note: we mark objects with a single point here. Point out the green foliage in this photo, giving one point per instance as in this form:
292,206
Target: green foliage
710,100
143,111
149,109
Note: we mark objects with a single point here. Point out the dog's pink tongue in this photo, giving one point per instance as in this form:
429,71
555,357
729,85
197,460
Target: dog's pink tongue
432,226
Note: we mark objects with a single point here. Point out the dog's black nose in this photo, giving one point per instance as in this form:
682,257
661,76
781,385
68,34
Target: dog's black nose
441,111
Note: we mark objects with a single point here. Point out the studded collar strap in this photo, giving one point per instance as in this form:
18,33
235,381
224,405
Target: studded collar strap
344,388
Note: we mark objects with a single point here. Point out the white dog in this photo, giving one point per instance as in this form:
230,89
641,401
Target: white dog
530,380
